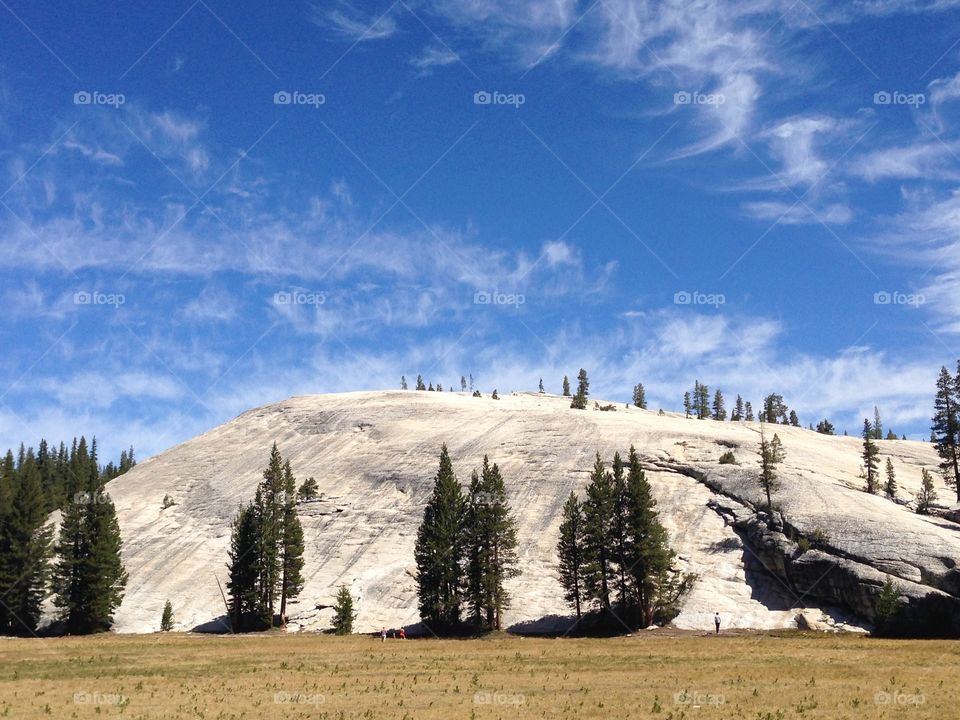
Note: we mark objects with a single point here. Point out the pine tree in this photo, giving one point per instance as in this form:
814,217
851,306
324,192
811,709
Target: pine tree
541,386
570,550
794,418
245,605
639,396
308,490
439,551
583,391
291,542
166,620
566,387
891,435
945,431
598,508
471,382
687,404
430,387
269,500
749,412
89,578
648,554
927,495
738,412
877,427
25,543
719,411
420,385
871,458
891,487
463,384
491,539
771,454
403,382
494,396
619,531
774,409
825,427
343,612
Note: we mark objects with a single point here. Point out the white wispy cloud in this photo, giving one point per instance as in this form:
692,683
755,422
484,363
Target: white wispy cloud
346,20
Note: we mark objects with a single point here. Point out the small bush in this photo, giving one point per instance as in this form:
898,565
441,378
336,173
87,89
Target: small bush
495,396
476,393
168,502
728,458
886,608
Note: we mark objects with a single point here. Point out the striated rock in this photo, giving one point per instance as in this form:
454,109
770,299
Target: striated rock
827,545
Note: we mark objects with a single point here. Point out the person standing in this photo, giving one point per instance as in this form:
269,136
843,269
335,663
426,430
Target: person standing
383,634
403,633
716,621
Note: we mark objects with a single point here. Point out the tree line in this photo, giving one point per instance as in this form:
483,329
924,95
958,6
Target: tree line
82,565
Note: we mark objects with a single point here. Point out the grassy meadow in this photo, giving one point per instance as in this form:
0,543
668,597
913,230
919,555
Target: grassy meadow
658,674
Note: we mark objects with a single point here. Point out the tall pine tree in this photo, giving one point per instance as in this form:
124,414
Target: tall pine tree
871,458
439,551
945,430
571,554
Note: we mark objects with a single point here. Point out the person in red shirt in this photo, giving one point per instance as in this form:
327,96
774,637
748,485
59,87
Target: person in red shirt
403,634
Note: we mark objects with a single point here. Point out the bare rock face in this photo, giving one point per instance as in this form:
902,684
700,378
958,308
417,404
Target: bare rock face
822,555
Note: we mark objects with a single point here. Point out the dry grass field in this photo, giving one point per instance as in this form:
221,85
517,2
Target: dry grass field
654,674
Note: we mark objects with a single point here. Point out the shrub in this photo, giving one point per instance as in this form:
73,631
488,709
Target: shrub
343,613
728,458
308,490
886,608
168,502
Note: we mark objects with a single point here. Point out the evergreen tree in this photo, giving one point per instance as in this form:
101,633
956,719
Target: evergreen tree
738,411
877,427
24,547
639,396
825,427
403,382
771,454
583,391
598,509
270,500
541,386
471,382
463,384
420,385
308,490
430,387
749,412
166,620
891,487
89,578
570,550
245,604
719,411
927,495
871,458
494,396
687,404
619,531
945,431
491,539
566,387
794,418
343,613
774,409
291,541
891,435
648,555
439,551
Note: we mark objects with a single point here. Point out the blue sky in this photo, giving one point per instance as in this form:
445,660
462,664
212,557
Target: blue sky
207,206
